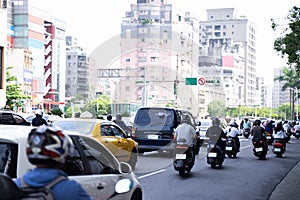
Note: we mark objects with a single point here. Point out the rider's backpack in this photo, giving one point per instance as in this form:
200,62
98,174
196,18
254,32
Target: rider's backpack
42,193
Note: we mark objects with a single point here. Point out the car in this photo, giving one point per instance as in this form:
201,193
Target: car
153,128
91,164
108,133
11,118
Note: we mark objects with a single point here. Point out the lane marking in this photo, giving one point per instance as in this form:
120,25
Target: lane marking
150,174
245,147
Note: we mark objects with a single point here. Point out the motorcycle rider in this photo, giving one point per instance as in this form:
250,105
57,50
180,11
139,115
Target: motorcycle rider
258,132
279,133
188,132
234,133
38,120
185,130
215,134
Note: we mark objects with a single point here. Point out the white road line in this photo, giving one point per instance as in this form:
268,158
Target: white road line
153,173
245,147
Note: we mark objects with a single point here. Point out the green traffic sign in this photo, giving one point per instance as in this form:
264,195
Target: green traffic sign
190,81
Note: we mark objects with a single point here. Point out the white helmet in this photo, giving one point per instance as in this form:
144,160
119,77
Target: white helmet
39,112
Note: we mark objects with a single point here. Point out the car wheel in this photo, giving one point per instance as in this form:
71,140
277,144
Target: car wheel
133,159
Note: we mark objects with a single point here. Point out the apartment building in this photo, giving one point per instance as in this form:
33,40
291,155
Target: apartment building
3,45
279,97
159,49
222,26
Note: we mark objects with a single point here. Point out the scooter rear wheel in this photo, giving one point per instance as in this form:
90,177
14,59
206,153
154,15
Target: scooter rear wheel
181,172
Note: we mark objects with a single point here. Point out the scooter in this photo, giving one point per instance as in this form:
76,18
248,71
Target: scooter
215,155
246,132
231,148
184,157
297,134
260,149
278,147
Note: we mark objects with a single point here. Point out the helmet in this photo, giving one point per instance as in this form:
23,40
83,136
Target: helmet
39,112
216,122
233,124
186,119
257,122
279,124
109,117
48,145
119,116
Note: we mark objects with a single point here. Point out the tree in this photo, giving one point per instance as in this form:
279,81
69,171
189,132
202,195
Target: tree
216,109
288,44
291,81
14,94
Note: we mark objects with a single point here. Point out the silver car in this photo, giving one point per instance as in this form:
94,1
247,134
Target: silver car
92,164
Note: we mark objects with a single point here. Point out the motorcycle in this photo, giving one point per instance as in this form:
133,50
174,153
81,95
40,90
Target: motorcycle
246,132
215,155
297,134
278,147
231,148
184,157
260,149
269,138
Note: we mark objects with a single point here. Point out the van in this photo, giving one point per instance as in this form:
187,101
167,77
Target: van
153,128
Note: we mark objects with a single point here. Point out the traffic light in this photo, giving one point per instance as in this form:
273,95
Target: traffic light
175,87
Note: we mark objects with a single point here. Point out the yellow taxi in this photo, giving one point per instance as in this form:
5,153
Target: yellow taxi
108,133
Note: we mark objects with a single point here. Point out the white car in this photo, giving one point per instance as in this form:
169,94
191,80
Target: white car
113,180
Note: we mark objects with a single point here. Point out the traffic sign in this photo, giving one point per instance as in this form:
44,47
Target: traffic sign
201,81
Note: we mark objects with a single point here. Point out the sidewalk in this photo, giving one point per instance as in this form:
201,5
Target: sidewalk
289,187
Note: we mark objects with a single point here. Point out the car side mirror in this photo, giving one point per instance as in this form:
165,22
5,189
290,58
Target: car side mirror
124,168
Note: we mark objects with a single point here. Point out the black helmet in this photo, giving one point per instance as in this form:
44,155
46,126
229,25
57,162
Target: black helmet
109,117
48,145
233,124
216,122
257,122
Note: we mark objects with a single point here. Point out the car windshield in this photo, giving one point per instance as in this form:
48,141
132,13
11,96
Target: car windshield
83,127
154,117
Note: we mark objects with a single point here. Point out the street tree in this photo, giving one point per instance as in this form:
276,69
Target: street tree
288,43
14,94
216,109
291,81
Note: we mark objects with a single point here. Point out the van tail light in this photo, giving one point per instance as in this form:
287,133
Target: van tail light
133,132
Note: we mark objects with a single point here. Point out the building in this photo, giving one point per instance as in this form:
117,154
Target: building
159,50
224,26
279,97
33,30
3,47
77,84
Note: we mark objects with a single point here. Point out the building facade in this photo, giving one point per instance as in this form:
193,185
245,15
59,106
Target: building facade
224,26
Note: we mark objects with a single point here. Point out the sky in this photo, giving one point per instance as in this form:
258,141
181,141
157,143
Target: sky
81,17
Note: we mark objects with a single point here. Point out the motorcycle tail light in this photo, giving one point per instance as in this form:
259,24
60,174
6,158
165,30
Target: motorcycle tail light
278,144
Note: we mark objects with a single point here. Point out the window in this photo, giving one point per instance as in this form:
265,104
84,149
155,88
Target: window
8,159
106,131
127,59
117,132
6,118
211,17
217,27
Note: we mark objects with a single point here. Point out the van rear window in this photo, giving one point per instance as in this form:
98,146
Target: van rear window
147,117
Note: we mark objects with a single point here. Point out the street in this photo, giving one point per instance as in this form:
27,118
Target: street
245,177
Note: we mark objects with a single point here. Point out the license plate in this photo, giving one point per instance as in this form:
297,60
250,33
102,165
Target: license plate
153,137
180,156
297,133
268,137
213,155
277,149
229,148
211,146
258,149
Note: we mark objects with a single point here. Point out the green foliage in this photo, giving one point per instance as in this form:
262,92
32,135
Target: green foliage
216,109
291,80
14,94
56,112
102,103
288,44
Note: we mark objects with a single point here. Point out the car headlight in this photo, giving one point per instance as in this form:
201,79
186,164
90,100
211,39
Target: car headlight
123,186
